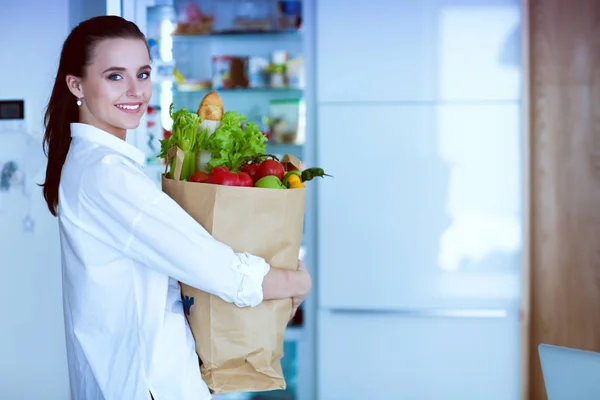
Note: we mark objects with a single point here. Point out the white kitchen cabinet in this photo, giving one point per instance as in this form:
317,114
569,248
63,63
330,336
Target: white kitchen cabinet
375,356
424,209
418,51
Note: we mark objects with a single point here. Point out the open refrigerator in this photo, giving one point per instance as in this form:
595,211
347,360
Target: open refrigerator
253,54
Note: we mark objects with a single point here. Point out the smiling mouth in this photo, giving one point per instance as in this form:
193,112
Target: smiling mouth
129,108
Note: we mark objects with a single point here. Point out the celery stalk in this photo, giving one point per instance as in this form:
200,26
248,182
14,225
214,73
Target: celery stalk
185,136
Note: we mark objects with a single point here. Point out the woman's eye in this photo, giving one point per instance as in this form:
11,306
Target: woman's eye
114,77
144,75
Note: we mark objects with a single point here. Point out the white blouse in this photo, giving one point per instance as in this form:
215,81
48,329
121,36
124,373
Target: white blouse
125,245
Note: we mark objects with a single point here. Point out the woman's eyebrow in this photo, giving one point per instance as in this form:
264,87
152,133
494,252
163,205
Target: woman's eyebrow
121,69
116,69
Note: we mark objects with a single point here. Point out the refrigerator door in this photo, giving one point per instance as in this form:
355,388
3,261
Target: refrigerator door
426,50
424,209
420,229
417,357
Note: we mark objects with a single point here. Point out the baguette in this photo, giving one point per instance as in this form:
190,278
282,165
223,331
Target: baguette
211,107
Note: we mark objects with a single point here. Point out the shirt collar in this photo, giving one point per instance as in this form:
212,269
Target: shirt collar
103,138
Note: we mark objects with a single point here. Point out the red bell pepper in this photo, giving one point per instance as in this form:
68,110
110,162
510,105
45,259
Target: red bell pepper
222,176
245,179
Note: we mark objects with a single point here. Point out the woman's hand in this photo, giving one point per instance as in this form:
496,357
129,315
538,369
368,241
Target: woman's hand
284,284
305,284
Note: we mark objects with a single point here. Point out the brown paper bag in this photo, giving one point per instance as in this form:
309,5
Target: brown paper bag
240,348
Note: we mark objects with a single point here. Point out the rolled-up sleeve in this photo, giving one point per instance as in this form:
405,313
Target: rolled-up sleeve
152,228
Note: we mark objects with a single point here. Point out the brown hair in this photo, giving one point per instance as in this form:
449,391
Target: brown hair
62,108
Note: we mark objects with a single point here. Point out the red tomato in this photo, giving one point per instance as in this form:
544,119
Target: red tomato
245,179
270,167
222,176
198,177
252,170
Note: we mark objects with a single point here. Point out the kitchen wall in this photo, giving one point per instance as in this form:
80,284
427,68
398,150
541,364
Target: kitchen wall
33,361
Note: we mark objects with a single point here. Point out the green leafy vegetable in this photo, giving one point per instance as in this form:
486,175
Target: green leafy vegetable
185,136
230,145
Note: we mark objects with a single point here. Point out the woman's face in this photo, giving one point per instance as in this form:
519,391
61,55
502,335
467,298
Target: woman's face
116,88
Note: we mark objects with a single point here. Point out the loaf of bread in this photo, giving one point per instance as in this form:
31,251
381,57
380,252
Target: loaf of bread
211,107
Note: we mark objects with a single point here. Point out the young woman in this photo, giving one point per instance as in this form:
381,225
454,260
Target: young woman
125,244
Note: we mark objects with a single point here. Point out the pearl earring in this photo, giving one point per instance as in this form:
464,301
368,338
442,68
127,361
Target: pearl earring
79,102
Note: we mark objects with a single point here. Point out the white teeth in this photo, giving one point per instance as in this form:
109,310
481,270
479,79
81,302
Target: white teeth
126,107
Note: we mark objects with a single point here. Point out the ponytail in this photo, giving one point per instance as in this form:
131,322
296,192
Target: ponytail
60,113
62,108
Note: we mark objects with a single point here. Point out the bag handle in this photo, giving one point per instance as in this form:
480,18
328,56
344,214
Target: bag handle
179,155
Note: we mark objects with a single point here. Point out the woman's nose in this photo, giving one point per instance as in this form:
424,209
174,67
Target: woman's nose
134,89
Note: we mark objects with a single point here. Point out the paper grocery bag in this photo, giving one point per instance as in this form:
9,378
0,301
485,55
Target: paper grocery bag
241,348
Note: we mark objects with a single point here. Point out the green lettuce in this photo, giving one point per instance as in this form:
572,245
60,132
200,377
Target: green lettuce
230,145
